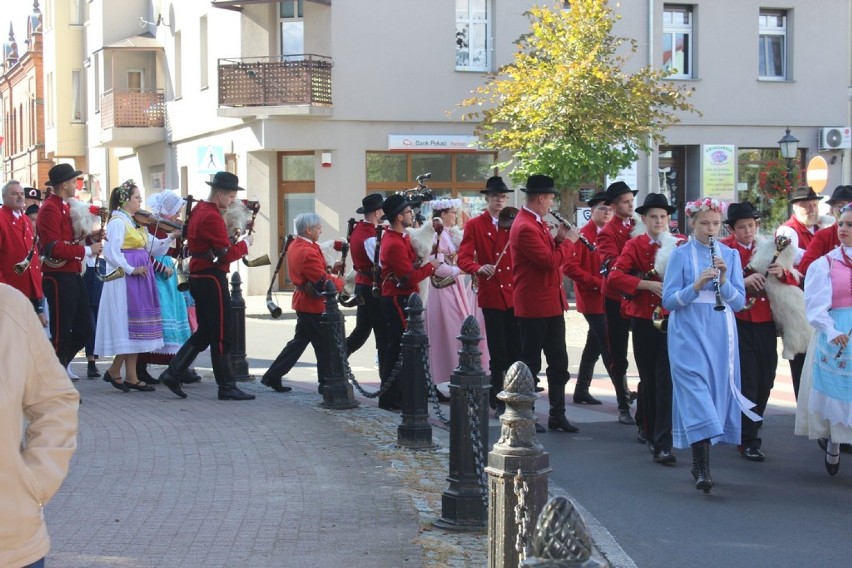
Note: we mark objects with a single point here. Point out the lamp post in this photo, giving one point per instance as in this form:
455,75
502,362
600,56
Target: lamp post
789,146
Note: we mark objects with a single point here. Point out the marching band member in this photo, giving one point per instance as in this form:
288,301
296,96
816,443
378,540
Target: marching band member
362,247
702,289
826,239
67,299
637,275
485,253
32,196
212,253
825,406
539,296
307,269
758,343
400,279
17,239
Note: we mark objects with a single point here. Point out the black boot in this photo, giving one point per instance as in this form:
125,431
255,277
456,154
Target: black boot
143,375
701,466
581,392
92,371
556,397
224,374
179,363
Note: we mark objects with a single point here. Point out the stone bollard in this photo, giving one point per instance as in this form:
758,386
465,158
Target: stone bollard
336,391
414,432
561,539
517,449
463,505
238,330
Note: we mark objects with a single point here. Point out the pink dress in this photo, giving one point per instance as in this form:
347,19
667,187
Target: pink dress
446,309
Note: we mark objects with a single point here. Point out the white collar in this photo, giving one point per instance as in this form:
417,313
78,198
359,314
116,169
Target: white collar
537,216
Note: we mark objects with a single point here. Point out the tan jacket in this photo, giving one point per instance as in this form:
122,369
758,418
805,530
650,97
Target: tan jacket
33,386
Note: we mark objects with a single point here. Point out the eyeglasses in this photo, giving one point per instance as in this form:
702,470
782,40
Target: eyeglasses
603,208
407,211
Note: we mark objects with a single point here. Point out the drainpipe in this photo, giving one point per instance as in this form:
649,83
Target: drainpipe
649,157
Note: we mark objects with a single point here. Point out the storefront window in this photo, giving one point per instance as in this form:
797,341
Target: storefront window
439,165
383,167
297,167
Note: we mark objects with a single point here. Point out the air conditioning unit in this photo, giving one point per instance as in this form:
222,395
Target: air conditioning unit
834,138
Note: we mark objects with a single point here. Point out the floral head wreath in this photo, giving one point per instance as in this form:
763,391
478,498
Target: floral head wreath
125,190
706,204
442,204
846,208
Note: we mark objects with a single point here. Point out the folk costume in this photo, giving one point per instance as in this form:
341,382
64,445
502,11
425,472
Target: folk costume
307,269
643,259
16,242
483,243
540,300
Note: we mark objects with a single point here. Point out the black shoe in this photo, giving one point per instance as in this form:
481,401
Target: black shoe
561,423
143,374
189,377
585,398
641,437
753,454
832,468
234,393
539,389
664,457
140,386
172,383
274,384
539,429
625,418
633,396
92,372
120,386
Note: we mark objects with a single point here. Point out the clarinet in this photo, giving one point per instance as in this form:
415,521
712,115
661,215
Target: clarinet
565,222
377,271
720,305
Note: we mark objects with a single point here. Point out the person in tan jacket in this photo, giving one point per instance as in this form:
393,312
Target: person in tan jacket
34,458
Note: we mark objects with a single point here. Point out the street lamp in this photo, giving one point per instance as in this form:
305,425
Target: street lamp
789,146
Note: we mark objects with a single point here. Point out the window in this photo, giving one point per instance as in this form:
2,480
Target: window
50,119
178,76
773,44
135,80
78,12
677,41
473,30
292,25
203,62
77,94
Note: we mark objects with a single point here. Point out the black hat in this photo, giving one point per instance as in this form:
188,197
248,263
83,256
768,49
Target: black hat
599,197
226,181
538,183
372,202
31,209
804,193
840,193
655,201
32,193
737,211
394,205
61,173
495,184
617,188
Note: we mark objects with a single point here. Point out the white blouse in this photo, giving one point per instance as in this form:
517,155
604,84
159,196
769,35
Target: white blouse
818,293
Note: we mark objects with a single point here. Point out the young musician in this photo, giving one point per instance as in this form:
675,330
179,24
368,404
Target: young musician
540,301
212,253
485,253
637,275
702,289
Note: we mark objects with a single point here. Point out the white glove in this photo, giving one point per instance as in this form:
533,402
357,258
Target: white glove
248,239
445,270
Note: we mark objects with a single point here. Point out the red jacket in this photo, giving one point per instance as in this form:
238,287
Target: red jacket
397,257
54,228
629,269
611,241
362,263
584,268
824,241
207,233
306,267
537,269
16,241
805,235
481,244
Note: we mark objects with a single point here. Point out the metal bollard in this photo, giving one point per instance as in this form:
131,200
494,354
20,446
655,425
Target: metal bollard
561,539
462,504
414,432
517,449
238,329
336,391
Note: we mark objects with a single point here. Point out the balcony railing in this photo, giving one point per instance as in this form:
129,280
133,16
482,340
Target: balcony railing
275,81
132,108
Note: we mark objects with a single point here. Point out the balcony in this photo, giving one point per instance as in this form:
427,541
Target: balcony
132,117
275,86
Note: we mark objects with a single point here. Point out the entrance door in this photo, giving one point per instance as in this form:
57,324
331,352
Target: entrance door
295,196
672,182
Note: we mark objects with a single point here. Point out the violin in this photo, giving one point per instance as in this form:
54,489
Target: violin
145,218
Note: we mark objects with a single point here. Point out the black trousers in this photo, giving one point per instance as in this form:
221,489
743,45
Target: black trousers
618,334
796,364
548,335
308,331
758,345
393,310
597,346
94,287
655,382
209,289
503,337
70,316
368,319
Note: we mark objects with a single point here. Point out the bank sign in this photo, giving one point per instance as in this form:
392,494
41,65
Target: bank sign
432,142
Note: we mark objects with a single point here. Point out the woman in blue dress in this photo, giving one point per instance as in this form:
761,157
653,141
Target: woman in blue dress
702,289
